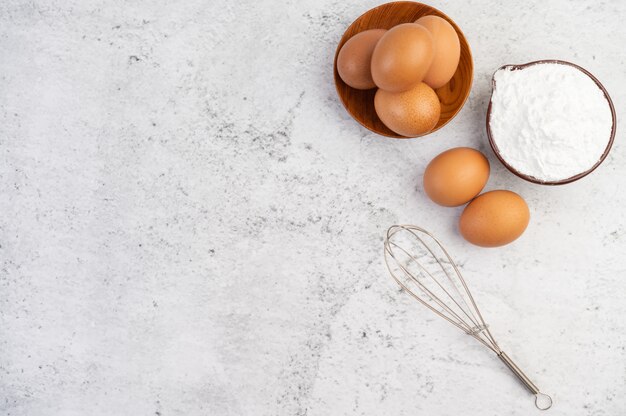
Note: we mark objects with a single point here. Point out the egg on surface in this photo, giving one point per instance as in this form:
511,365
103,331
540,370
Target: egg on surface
494,219
447,50
355,58
456,176
402,57
410,113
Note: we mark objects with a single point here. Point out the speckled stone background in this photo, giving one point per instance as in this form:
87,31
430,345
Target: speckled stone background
191,224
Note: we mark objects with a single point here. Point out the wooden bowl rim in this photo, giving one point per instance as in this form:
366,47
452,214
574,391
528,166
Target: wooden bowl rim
530,178
462,38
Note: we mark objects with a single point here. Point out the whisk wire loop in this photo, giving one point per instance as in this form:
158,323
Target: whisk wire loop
430,295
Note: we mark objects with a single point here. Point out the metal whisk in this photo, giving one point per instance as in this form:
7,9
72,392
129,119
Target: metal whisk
420,264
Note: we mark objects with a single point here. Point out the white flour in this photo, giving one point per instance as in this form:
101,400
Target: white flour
549,121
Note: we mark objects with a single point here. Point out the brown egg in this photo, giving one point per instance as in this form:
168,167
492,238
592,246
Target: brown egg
456,176
402,57
410,113
447,50
355,58
494,219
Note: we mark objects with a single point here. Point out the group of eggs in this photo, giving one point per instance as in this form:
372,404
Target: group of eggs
407,63
456,177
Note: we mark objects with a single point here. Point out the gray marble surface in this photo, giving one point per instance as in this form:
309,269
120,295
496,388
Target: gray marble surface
191,224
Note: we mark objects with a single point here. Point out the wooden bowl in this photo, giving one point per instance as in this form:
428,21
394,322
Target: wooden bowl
360,103
532,179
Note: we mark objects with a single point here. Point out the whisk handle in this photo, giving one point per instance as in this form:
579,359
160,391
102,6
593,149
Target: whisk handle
546,401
